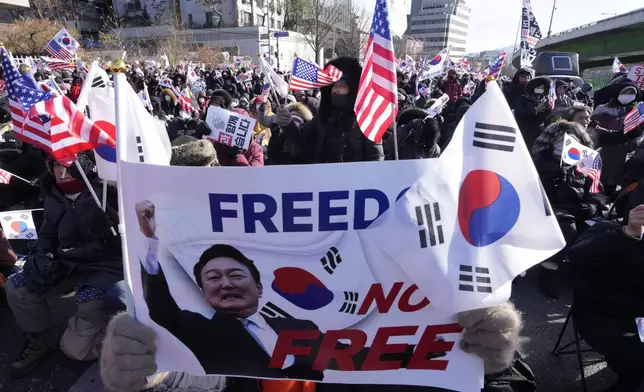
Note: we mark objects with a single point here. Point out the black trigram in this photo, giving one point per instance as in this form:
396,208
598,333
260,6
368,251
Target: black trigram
29,235
331,261
139,149
568,142
24,216
428,217
474,277
98,82
503,138
7,218
350,303
271,310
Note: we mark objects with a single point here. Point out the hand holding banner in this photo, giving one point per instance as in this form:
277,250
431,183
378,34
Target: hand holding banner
229,128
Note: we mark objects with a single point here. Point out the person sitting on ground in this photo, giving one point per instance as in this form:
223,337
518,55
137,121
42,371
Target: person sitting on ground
568,192
75,250
608,265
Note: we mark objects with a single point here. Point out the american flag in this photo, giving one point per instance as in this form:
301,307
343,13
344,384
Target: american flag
497,66
377,101
634,118
267,88
552,95
55,64
592,170
50,123
308,76
62,46
5,177
184,102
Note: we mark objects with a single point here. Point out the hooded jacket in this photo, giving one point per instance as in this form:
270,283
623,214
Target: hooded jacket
417,139
334,135
515,90
567,189
77,232
531,123
452,87
282,150
227,156
611,116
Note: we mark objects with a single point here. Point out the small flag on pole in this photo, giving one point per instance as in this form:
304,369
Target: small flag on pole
18,225
618,66
377,101
308,76
497,66
5,177
63,46
634,118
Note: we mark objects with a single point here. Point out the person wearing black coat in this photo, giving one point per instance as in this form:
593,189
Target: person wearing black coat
608,266
77,250
417,137
515,89
532,111
333,135
568,192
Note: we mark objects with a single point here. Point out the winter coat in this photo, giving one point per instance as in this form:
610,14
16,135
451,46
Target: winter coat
77,232
531,123
281,150
611,116
334,135
254,156
566,188
452,87
514,90
26,162
608,268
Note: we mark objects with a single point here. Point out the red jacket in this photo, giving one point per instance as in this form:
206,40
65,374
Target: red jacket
254,156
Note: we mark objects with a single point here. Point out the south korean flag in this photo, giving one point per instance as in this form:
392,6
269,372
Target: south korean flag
478,217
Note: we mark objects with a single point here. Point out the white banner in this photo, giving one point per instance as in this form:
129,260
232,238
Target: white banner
18,225
230,128
263,273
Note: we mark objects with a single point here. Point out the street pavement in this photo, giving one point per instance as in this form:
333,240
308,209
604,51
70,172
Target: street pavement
543,320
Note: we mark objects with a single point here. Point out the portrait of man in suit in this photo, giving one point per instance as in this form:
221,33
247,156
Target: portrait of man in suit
237,340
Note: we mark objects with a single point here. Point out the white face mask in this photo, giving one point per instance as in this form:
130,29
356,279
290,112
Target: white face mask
625,99
168,98
539,90
201,100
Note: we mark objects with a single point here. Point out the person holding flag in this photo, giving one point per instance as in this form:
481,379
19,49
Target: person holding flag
333,135
568,190
533,111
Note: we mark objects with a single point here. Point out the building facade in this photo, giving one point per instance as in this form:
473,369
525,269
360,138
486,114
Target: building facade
439,23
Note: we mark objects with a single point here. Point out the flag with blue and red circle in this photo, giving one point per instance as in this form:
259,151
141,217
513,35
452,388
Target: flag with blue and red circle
63,46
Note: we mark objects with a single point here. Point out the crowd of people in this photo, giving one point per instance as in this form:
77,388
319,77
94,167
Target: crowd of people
75,250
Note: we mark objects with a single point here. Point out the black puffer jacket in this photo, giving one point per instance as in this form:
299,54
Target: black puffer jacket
530,122
514,90
78,233
567,189
609,269
334,135
417,139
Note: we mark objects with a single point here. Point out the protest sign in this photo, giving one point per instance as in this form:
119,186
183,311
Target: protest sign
18,225
308,271
229,128
637,75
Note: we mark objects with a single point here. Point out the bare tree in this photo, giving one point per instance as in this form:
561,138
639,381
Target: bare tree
317,21
29,36
354,42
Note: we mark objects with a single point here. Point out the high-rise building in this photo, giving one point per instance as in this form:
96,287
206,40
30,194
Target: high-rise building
439,23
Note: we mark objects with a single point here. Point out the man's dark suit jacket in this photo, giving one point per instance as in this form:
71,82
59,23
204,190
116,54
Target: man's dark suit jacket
222,344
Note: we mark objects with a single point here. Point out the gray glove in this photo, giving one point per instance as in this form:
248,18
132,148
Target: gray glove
263,118
492,334
128,355
283,117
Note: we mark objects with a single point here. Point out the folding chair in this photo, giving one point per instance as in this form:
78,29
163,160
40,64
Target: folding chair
557,351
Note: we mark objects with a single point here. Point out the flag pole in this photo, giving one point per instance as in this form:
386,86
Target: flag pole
22,179
104,194
91,189
395,132
291,77
270,83
120,83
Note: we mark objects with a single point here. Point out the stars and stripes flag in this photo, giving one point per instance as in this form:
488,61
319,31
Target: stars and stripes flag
307,76
63,46
591,166
50,123
552,95
5,177
634,118
497,65
57,64
184,101
377,100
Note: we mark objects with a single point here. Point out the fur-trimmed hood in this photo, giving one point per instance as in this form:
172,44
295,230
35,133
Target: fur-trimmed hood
301,110
546,141
195,153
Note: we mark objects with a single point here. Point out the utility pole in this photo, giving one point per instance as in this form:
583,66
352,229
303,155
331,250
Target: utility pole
552,16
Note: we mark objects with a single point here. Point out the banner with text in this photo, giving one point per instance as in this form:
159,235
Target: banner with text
312,272
637,75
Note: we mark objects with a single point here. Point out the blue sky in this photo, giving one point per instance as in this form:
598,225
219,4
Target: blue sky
493,24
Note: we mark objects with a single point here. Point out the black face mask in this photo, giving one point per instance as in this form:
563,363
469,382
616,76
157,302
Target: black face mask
339,101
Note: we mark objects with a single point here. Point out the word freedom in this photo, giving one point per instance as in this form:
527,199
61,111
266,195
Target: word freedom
332,206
